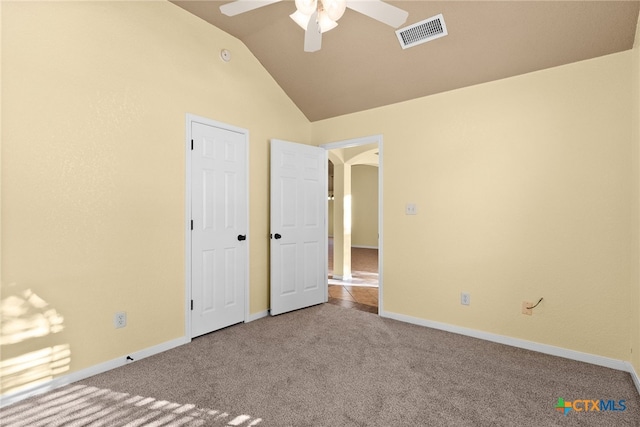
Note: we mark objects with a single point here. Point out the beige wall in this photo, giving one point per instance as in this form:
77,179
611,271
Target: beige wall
364,193
635,233
523,189
94,98
524,186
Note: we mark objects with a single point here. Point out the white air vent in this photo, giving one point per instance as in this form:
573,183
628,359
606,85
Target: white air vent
422,32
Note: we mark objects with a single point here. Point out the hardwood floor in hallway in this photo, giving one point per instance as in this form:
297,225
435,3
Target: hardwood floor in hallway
363,298
361,292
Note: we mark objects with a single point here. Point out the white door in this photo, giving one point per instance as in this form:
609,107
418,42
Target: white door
298,226
219,228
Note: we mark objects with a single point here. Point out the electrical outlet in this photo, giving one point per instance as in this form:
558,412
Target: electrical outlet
120,319
411,209
465,298
525,308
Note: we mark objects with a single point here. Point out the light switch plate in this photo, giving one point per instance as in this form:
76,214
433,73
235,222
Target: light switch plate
411,209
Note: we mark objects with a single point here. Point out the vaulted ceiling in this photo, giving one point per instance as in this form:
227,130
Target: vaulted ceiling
361,64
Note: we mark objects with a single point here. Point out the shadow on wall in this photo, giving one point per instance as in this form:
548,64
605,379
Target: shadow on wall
32,352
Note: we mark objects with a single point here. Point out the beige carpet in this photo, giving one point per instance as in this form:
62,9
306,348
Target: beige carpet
331,366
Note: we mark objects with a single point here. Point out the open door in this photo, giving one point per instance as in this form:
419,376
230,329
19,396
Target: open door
298,226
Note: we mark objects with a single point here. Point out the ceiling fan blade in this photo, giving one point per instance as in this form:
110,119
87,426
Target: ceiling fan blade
380,11
240,6
313,35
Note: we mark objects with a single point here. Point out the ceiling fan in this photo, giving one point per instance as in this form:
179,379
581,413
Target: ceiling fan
319,16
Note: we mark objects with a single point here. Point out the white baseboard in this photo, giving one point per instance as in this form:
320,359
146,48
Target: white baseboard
364,247
25,393
634,376
607,362
257,316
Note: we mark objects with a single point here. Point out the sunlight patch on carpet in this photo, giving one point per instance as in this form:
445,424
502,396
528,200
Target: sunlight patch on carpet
82,405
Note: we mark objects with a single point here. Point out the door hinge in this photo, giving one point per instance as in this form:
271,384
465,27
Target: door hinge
192,144
191,224
191,304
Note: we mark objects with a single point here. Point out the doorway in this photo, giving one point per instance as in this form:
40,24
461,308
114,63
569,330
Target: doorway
355,223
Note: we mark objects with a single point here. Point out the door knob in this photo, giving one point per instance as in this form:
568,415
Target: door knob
278,236
242,237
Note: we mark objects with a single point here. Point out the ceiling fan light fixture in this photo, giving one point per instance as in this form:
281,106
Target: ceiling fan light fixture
334,8
318,16
306,7
302,20
326,23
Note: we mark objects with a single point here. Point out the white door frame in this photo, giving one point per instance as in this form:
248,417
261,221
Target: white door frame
374,139
191,118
